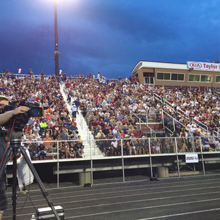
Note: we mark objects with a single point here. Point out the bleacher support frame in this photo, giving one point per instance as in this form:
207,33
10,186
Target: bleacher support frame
156,163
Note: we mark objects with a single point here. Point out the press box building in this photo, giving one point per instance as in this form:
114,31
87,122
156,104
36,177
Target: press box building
194,74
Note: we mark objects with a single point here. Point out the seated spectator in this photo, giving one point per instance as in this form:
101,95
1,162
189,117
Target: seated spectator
207,144
62,151
73,127
64,135
36,135
114,147
79,147
41,151
100,135
72,150
48,143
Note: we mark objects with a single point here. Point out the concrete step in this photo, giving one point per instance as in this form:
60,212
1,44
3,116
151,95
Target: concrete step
83,131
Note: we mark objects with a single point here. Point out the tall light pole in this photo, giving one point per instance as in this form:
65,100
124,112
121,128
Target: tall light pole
56,52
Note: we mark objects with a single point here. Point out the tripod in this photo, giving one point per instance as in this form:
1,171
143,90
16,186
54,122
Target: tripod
14,146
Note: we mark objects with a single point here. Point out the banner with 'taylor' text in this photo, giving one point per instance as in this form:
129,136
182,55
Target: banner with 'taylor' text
203,66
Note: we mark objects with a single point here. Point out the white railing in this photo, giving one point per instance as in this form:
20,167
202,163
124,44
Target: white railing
154,149
127,146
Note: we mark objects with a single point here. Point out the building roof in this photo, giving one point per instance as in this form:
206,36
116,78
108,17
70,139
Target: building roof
152,64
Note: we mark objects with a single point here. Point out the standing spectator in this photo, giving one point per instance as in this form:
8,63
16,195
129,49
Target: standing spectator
74,110
30,72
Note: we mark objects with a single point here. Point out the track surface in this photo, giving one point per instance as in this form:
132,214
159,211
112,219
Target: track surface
196,198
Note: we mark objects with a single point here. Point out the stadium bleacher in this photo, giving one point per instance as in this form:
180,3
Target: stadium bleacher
122,116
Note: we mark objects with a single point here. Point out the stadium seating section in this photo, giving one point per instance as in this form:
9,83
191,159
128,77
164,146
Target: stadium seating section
122,115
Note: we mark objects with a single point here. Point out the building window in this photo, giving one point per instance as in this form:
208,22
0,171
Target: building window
194,78
160,76
181,77
166,76
170,76
200,78
145,74
149,80
206,78
217,79
163,76
176,76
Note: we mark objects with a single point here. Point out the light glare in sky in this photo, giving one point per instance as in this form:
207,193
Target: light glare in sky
47,3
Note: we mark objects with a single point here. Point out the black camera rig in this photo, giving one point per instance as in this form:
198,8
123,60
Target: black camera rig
20,120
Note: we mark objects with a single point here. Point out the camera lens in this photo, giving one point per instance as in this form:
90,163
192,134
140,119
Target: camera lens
36,112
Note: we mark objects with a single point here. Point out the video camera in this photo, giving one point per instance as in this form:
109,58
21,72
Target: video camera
22,119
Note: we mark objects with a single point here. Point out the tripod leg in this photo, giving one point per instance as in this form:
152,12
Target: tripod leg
2,169
14,188
4,162
40,184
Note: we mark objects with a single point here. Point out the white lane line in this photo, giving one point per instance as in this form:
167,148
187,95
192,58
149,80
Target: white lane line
124,191
123,186
181,214
129,210
138,195
142,200
124,196
146,207
127,202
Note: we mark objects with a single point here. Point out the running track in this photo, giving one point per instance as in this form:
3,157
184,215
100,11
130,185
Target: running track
196,198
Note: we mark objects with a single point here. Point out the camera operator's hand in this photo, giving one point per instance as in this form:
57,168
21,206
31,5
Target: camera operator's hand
20,110
5,117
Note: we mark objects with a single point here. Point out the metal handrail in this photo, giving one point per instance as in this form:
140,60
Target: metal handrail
146,114
141,138
217,133
159,99
140,120
175,120
180,110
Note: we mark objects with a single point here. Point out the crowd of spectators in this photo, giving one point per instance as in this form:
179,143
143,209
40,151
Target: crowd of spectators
112,109
110,106
40,134
197,111
201,106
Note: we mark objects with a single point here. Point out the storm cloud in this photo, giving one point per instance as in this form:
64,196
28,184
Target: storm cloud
108,36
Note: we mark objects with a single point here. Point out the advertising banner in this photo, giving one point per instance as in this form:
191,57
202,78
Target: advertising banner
203,66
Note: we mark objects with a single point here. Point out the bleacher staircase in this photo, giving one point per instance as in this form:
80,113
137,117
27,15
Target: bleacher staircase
203,127
146,125
90,147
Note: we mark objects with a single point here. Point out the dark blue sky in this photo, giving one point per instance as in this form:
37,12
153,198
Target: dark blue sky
110,36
